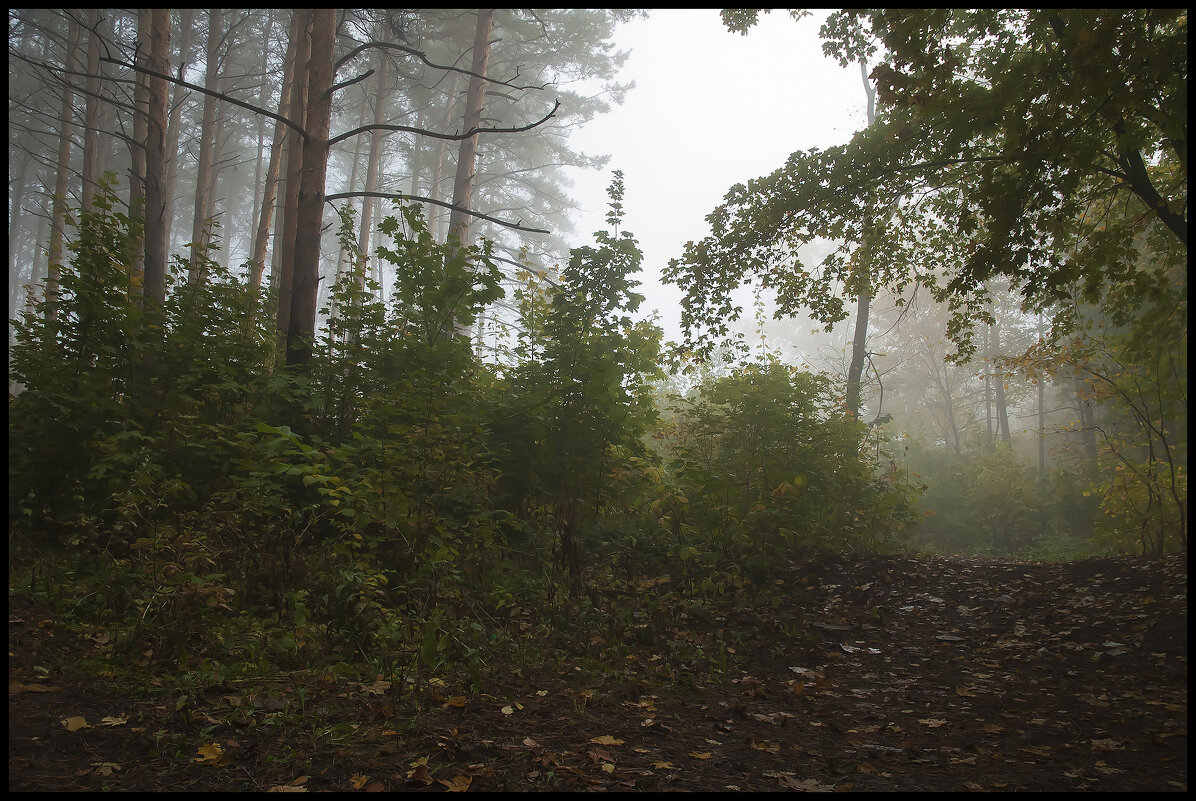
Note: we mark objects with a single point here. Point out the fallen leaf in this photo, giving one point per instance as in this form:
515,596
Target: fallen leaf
105,768
933,723
16,687
508,710
701,755
212,754
806,785
458,784
75,723
530,743
458,701
608,767
358,780
663,765
964,691
606,739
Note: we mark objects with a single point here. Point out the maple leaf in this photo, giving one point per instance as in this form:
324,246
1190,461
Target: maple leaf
458,784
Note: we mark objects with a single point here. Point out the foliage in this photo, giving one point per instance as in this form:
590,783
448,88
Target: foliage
1030,144
766,470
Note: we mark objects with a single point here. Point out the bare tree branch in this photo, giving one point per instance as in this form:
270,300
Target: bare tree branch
436,135
398,196
424,58
213,93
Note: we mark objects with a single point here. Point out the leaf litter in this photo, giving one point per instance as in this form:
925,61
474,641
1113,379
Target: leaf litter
927,674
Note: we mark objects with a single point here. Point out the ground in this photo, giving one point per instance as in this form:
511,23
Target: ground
873,673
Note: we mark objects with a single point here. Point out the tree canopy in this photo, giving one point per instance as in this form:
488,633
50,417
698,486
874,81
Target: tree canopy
1034,145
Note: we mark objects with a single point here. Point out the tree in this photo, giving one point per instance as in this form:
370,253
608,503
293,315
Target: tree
998,129
463,184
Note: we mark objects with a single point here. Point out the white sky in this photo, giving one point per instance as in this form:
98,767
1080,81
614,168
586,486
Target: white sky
710,109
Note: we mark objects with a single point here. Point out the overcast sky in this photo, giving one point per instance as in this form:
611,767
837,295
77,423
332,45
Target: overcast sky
710,109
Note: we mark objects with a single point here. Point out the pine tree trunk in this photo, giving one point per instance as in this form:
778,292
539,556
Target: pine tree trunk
177,100
463,185
157,222
302,329
137,146
58,217
270,188
285,242
371,171
207,134
91,115
434,190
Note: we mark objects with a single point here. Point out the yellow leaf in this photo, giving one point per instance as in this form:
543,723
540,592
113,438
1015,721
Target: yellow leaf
663,765
965,691
113,721
75,723
606,739
212,754
358,780
701,754
458,784
608,768
458,700
933,723
508,710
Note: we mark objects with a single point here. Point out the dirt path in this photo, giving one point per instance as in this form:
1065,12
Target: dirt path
940,673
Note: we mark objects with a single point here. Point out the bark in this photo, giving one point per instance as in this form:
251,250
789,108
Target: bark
261,121
14,227
463,185
186,26
137,146
434,190
58,217
207,135
157,222
270,188
999,390
285,244
371,171
91,116
306,271
859,351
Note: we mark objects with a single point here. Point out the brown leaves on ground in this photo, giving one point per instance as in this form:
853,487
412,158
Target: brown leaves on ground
876,673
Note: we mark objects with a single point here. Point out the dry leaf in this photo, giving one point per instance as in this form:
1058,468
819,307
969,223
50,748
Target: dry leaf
105,768
608,768
458,784
663,765
458,701
606,739
933,723
75,723
508,710
212,754
113,721
358,780
701,755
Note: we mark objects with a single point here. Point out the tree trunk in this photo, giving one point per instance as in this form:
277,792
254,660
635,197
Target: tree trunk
306,271
58,218
463,185
371,171
859,350
157,223
186,26
91,116
270,188
434,190
999,389
137,146
285,243
207,134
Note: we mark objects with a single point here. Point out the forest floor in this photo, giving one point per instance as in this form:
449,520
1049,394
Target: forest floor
926,673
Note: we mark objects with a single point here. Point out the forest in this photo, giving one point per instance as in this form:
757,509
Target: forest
340,460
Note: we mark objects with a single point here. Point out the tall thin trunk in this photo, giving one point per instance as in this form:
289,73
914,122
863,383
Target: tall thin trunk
157,223
207,133
306,270
262,97
371,171
91,116
285,244
434,190
137,146
463,185
859,352
58,216
999,389
186,26
270,188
